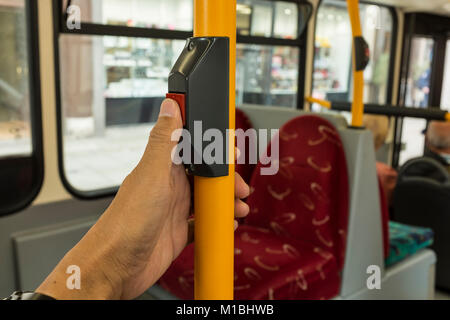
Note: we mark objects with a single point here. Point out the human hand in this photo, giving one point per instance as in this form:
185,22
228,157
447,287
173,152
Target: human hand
144,229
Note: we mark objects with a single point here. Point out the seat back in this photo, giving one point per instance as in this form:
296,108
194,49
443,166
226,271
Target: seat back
308,198
425,202
365,237
424,167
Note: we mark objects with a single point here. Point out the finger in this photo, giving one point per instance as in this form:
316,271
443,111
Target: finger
163,138
236,225
241,209
242,190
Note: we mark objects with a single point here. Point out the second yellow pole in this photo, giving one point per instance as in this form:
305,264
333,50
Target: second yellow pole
358,75
214,197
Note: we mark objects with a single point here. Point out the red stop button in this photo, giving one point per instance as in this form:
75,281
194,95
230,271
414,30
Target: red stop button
181,100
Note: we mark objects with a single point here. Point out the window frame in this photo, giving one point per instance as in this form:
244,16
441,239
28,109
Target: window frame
94,29
36,156
390,82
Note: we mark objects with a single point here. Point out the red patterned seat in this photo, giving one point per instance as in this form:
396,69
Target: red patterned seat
292,245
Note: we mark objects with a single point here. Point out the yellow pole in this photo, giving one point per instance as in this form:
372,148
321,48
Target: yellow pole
214,197
323,103
358,76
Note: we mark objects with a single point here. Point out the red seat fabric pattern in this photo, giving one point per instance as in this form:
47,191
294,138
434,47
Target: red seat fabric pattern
292,245
268,267
308,199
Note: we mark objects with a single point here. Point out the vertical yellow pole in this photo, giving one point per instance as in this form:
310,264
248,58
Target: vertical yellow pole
358,76
214,197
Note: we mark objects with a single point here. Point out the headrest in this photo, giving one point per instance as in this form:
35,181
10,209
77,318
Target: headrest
426,168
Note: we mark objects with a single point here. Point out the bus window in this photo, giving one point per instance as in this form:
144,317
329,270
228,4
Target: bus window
263,18
332,78
111,90
267,75
15,128
20,135
417,95
112,84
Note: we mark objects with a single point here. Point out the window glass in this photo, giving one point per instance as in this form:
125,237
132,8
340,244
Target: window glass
333,52
265,18
445,97
267,75
15,128
166,14
111,89
286,20
243,19
417,95
21,167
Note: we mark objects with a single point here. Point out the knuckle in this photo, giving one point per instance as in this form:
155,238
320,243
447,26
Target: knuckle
160,134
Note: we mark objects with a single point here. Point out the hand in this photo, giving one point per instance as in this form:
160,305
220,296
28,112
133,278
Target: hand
144,229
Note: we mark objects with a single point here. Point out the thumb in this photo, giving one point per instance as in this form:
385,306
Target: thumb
163,139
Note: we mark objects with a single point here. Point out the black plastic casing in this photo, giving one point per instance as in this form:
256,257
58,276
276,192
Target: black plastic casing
202,74
362,53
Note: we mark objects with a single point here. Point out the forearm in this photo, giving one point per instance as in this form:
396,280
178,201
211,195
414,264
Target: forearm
97,278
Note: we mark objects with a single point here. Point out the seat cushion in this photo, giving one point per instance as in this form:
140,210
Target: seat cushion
267,267
308,198
406,240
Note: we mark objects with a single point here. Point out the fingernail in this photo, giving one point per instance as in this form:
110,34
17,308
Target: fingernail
169,108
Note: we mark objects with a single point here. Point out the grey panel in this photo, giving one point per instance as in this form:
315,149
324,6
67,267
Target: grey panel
59,213
364,238
37,252
411,279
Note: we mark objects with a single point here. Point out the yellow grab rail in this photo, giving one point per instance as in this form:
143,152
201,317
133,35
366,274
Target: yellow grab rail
214,197
323,103
358,75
